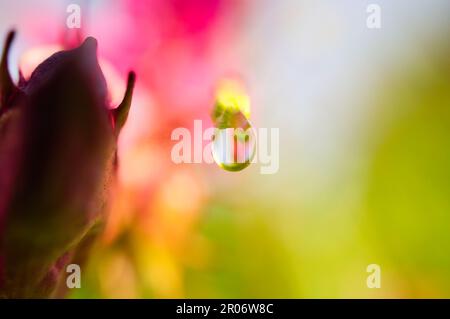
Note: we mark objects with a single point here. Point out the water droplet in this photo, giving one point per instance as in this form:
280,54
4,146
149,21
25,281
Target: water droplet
234,140
233,148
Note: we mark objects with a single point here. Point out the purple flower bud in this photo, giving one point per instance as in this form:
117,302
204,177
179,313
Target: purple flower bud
58,143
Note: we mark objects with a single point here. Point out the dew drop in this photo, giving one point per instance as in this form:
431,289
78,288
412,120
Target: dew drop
234,140
233,149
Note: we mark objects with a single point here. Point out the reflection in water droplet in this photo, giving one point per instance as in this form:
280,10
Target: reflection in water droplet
234,142
233,148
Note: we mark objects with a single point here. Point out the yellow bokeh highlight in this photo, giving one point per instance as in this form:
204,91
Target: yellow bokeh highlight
231,96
